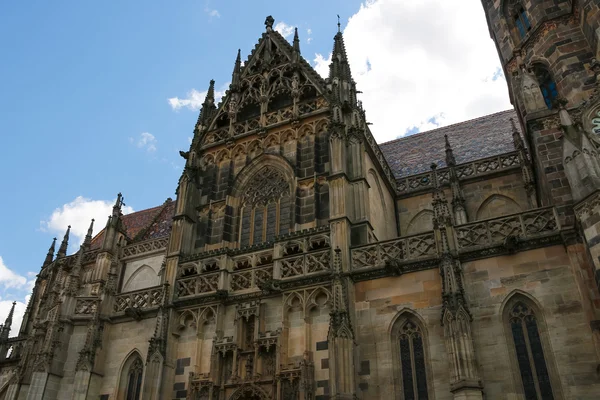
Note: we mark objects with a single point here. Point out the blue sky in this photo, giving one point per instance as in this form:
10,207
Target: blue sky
85,109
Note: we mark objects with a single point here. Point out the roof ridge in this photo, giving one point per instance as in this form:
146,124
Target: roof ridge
446,126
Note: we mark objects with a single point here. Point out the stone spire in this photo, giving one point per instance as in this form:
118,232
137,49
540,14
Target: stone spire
88,238
62,251
208,107
50,254
237,72
5,329
296,43
9,318
339,66
450,160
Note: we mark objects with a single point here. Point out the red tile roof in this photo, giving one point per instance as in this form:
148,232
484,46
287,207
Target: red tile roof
150,223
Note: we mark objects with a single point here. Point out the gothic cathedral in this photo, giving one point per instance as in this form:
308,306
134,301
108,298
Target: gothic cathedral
302,260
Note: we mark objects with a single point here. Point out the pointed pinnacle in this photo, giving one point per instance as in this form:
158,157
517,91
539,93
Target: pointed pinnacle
62,251
237,71
50,254
450,160
517,140
9,319
296,41
210,94
88,238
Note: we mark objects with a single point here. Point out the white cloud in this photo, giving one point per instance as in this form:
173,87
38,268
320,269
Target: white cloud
194,99
78,213
212,13
422,64
145,141
10,279
284,29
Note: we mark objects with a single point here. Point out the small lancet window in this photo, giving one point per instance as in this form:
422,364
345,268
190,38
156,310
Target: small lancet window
522,21
412,362
530,353
546,83
134,380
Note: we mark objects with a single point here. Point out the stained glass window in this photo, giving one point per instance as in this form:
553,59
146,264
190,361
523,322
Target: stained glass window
530,353
522,22
412,362
266,207
547,84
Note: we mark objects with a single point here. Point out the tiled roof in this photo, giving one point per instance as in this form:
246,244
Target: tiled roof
162,224
151,223
470,140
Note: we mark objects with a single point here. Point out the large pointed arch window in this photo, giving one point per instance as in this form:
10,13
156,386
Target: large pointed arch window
529,351
130,381
266,207
410,360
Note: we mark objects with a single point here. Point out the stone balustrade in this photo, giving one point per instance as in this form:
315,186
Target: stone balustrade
424,181
508,230
139,299
409,248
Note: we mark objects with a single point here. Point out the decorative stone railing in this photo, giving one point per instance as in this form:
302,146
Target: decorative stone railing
147,246
86,305
508,230
410,248
200,284
424,181
139,299
90,256
305,264
250,278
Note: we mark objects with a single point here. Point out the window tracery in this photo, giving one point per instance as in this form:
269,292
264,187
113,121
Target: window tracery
411,365
134,380
529,352
266,204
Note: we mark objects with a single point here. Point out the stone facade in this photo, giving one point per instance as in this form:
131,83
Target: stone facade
301,260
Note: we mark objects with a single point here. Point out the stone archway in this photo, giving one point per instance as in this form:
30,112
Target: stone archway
250,392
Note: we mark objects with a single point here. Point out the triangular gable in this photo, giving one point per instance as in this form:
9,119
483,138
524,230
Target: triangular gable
275,54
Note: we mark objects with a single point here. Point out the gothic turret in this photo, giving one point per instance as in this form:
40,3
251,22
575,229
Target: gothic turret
237,72
50,255
62,251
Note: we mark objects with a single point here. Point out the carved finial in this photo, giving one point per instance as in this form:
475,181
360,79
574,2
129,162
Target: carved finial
269,21
210,94
88,238
50,255
339,25
450,160
62,251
